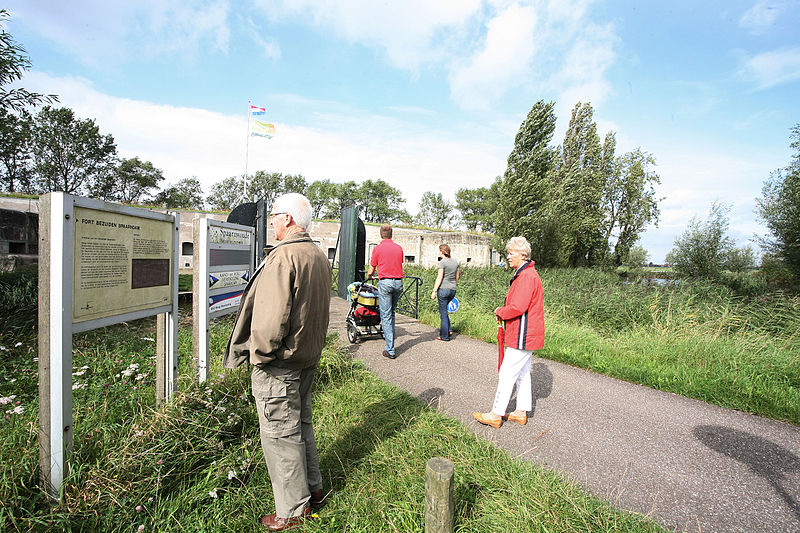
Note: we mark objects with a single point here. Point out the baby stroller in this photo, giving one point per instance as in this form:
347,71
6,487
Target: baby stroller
363,319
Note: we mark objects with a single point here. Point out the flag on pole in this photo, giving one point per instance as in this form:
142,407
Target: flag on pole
262,129
257,110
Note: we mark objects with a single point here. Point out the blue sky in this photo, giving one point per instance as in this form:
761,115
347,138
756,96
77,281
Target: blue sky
429,96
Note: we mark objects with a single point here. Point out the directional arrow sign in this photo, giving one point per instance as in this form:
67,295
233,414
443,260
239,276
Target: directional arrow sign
453,306
232,278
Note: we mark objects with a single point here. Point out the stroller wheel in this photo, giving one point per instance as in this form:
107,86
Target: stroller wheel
352,332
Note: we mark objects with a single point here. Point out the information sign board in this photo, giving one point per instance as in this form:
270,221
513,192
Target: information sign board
220,235
223,263
100,264
121,263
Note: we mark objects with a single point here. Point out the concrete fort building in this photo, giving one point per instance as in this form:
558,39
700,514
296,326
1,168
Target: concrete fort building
421,247
20,223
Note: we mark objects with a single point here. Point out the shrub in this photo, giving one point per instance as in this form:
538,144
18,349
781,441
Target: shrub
745,283
701,250
18,300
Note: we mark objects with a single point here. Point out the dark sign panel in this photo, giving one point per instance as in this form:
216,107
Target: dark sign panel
149,273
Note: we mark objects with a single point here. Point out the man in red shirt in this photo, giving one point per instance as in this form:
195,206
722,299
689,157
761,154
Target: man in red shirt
387,257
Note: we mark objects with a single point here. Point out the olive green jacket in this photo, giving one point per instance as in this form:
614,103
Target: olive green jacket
283,317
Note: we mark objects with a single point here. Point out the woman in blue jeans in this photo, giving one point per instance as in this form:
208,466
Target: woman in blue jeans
444,289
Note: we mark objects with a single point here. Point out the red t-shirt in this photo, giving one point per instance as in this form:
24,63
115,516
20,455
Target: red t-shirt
388,257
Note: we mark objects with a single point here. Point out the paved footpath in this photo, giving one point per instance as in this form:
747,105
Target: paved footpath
689,465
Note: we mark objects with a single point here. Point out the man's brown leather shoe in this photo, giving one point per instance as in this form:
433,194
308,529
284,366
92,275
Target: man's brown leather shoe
487,419
277,523
520,419
318,499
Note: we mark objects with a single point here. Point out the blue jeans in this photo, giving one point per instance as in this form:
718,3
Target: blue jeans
444,296
389,291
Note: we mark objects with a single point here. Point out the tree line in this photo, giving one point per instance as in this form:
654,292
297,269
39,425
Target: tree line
581,204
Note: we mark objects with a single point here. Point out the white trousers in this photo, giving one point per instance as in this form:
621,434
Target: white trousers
515,370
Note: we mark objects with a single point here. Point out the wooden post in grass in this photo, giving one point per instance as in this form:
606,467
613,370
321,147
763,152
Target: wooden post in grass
439,496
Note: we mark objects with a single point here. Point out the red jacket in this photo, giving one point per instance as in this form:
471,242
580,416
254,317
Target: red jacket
523,311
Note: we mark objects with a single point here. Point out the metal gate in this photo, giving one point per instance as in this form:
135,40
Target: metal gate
347,250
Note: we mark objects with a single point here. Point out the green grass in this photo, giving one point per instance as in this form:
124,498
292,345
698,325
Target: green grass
19,195
695,339
185,282
196,465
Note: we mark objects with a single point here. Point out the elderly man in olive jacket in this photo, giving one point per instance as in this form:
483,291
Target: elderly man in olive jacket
280,330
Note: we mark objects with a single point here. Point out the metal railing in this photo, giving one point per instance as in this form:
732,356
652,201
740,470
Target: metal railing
405,305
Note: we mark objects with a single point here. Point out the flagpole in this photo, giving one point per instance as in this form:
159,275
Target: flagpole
246,151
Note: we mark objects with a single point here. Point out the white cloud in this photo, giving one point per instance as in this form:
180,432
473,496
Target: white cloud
270,47
504,61
186,142
98,31
182,27
761,16
488,46
582,74
772,68
411,33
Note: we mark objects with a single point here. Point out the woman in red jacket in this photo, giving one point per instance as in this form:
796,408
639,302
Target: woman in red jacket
523,314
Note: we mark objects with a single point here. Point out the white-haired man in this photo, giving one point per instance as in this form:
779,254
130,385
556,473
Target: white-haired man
280,330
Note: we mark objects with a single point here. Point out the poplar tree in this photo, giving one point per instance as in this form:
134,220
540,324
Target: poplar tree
578,204
578,180
638,205
526,191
